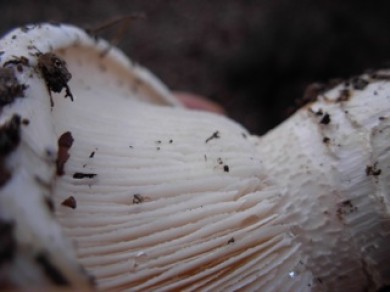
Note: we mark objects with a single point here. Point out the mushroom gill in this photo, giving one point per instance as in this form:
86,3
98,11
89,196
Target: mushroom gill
158,197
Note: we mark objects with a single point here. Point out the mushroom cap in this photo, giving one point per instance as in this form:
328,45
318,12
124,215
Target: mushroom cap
156,196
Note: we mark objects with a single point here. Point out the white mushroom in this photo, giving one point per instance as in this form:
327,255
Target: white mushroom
158,197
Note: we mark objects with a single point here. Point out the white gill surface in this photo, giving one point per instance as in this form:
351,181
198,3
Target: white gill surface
168,206
42,255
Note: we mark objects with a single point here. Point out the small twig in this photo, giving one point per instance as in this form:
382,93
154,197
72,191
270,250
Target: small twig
120,32
114,21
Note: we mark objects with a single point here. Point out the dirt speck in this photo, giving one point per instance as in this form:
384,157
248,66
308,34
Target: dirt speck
345,208
344,95
325,120
25,122
231,240
70,202
64,143
138,199
373,170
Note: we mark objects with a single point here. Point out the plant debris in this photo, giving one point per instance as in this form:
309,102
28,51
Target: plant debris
215,135
81,175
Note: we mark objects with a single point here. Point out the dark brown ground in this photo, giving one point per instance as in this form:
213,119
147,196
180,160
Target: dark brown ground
253,57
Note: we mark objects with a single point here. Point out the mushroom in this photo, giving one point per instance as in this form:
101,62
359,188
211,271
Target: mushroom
101,166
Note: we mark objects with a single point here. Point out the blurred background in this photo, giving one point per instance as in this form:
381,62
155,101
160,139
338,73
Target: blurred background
255,58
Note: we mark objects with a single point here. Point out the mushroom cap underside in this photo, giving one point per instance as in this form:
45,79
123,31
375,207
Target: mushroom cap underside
155,196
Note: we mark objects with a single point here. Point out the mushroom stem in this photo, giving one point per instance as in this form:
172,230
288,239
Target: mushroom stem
338,182
157,197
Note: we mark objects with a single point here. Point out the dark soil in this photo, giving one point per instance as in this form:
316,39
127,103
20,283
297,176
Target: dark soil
253,57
